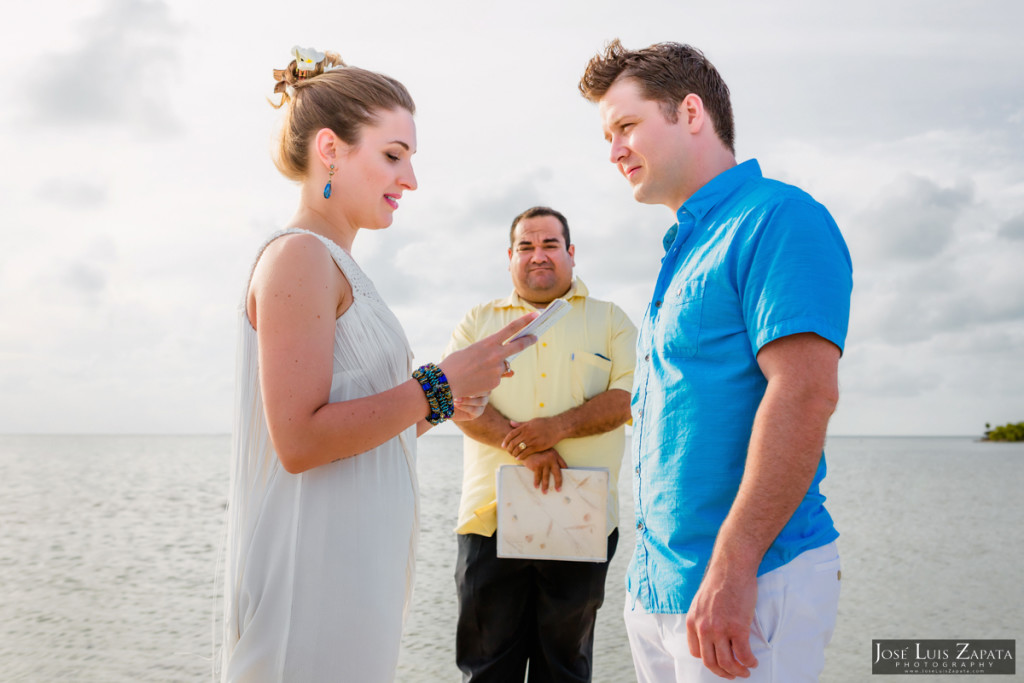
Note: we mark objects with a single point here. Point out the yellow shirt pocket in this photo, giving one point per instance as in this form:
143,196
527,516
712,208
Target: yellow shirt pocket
590,375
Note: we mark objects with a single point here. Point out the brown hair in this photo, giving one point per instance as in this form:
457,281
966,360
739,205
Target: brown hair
666,73
536,212
343,100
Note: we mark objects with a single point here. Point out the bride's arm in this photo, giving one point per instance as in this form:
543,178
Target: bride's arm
296,294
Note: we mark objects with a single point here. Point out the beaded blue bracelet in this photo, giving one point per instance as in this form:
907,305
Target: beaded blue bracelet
427,378
438,393
442,392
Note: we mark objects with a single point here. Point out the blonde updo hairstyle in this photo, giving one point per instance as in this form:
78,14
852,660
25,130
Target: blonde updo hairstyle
341,99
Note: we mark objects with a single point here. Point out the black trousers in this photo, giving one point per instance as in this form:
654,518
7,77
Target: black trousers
515,611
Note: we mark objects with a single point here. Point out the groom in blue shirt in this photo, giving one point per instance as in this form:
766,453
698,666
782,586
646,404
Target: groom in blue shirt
735,572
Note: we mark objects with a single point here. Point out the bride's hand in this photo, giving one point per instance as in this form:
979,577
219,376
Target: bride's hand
469,408
477,369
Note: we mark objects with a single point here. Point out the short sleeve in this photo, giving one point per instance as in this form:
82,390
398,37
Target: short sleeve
798,275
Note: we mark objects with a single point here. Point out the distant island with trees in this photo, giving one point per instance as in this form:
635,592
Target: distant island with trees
1007,432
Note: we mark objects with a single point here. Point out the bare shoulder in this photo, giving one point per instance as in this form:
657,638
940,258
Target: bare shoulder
298,267
300,251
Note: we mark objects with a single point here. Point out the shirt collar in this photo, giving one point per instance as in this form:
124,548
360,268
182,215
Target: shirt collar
719,187
576,289
708,196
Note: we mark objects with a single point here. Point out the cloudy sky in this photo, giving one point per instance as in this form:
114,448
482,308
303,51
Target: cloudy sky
135,184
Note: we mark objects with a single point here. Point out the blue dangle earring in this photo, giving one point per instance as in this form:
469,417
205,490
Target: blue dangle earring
327,187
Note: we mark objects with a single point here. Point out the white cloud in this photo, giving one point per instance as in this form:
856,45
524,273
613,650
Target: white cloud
914,220
116,74
1013,229
72,193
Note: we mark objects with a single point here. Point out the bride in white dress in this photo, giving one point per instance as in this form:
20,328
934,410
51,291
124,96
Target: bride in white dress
323,509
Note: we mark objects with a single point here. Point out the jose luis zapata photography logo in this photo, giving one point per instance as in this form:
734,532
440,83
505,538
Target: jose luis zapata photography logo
957,656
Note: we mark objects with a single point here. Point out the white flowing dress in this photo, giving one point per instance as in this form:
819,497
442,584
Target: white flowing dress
319,564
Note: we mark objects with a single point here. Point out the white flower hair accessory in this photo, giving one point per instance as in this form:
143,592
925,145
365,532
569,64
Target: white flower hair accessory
306,59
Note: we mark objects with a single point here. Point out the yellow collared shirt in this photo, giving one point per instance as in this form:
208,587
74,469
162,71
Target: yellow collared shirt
590,350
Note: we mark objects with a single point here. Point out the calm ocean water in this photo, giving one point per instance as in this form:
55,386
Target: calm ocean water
109,550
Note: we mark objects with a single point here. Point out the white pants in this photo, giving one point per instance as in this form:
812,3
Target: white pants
793,622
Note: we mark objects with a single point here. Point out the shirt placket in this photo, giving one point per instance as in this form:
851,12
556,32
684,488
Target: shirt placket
648,361
642,379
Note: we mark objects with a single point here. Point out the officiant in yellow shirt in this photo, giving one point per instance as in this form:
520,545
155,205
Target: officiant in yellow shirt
566,405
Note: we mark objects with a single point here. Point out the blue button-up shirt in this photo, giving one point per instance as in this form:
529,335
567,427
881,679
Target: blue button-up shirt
749,261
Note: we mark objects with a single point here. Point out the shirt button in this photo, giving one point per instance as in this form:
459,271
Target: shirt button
637,469
647,357
657,304
640,525
541,405
640,412
543,374
544,344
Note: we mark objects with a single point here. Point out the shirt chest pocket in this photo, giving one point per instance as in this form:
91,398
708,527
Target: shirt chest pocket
677,328
590,375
